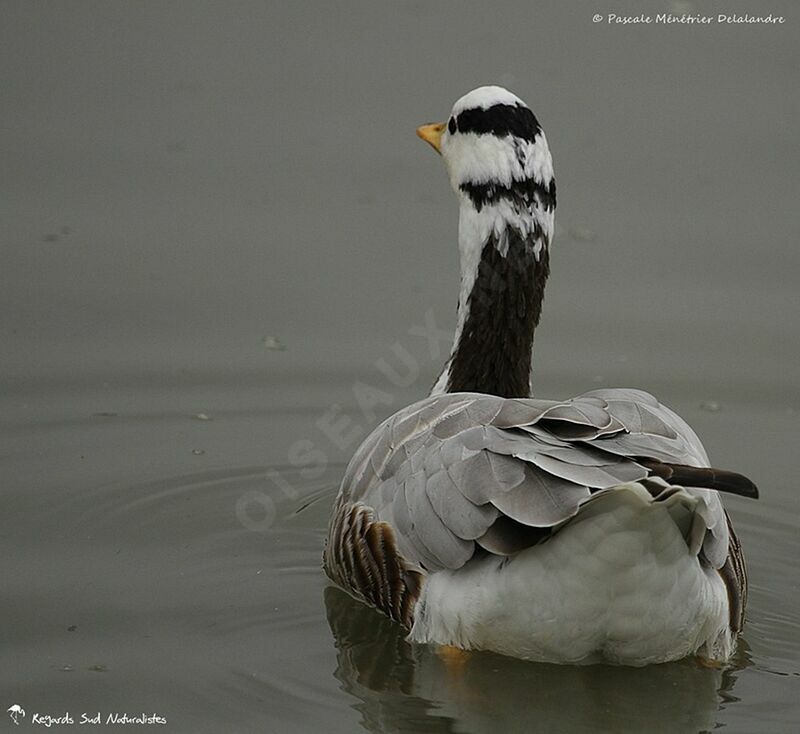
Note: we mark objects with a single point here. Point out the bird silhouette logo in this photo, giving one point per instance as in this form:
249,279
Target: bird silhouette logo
16,712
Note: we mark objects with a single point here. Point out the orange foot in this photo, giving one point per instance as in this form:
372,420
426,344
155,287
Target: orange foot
454,659
709,663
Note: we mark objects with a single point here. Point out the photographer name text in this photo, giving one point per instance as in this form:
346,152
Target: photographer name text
688,19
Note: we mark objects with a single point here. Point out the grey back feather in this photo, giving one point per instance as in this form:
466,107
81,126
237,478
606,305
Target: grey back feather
461,469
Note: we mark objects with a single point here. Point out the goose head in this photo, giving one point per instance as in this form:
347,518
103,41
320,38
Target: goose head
499,166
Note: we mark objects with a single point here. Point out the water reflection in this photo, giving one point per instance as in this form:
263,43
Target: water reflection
401,687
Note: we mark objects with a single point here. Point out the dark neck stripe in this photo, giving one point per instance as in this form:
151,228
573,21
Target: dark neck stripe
522,192
494,350
500,120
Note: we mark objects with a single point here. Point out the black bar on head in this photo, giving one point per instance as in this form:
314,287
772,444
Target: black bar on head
500,120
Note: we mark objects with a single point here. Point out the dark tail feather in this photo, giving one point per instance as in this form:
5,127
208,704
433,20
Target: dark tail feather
693,476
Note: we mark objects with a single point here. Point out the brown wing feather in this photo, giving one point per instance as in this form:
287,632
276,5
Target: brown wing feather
734,574
362,557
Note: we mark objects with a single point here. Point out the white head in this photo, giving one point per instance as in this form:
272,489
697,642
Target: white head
499,165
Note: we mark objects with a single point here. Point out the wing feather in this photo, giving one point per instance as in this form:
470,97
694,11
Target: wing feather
542,500
459,469
436,539
596,477
482,475
466,519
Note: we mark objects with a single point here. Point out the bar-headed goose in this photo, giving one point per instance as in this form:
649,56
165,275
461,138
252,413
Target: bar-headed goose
571,531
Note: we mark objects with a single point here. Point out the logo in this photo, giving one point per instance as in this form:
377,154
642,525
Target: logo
16,712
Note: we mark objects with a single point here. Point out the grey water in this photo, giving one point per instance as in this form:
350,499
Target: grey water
225,256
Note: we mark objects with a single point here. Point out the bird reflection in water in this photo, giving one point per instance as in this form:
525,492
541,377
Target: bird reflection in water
402,687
